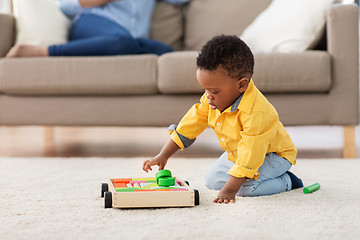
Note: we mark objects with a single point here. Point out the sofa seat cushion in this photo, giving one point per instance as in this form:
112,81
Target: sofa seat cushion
308,72
114,75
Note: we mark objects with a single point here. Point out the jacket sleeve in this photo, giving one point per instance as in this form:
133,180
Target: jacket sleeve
258,129
194,122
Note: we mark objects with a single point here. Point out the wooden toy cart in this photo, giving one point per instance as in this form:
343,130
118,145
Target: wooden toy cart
146,193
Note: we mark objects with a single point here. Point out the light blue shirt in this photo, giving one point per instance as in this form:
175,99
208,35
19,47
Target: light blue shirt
134,15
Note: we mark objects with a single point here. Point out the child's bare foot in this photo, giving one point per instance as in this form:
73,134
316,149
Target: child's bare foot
24,50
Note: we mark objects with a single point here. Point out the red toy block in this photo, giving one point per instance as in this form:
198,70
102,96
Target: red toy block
121,180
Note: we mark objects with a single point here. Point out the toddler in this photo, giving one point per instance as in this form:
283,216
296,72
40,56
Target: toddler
258,150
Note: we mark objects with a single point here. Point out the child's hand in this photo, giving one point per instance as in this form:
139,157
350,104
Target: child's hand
161,159
225,196
228,192
158,160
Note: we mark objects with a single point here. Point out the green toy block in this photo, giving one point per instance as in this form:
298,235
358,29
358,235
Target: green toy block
128,189
166,181
311,188
163,173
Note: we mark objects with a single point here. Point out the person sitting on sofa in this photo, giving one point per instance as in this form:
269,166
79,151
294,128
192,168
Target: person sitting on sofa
258,150
103,27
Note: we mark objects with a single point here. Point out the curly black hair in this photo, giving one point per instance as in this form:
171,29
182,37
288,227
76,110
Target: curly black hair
229,52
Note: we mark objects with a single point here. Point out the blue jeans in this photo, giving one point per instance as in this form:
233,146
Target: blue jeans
272,176
94,35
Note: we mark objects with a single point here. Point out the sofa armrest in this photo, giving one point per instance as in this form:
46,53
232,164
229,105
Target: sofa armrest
7,33
343,46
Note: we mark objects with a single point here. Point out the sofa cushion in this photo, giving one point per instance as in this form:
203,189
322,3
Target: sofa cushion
287,26
308,72
40,22
167,24
115,75
7,36
207,18
177,73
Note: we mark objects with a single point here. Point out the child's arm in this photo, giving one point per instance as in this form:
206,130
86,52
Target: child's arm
161,159
228,192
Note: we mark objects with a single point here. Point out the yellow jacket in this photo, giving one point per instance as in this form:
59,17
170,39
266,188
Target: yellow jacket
247,130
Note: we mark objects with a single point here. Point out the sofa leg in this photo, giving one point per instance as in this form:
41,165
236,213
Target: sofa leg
349,150
49,144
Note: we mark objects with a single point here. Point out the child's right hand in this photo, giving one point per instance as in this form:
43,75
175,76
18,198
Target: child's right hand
158,160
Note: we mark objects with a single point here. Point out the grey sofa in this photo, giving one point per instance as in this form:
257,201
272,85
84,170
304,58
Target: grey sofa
316,87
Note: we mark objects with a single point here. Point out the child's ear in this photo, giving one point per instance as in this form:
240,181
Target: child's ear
243,84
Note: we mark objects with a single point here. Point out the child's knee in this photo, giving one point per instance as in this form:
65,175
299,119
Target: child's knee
214,184
215,179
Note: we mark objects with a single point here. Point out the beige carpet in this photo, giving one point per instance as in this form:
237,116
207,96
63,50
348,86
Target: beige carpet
59,198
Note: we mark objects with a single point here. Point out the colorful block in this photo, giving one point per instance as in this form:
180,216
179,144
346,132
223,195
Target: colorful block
144,179
121,180
166,181
151,185
128,189
119,185
133,182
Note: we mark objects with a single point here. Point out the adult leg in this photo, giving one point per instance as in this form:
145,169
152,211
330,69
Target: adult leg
96,46
26,50
152,46
93,35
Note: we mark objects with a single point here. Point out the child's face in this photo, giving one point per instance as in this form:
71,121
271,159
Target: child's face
221,90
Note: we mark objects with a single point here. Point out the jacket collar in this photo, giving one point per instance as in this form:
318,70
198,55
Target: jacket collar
246,99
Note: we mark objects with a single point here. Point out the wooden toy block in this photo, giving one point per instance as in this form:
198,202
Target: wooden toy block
121,180
127,189
133,182
150,185
136,185
151,190
119,185
144,179
148,195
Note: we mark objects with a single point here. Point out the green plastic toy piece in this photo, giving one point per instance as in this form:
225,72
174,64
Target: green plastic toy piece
163,173
129,189
166,181
311,188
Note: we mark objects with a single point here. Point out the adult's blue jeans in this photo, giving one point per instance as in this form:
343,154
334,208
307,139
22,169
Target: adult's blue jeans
93,35
272,176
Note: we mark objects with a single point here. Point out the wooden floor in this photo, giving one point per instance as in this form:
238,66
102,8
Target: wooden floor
138,142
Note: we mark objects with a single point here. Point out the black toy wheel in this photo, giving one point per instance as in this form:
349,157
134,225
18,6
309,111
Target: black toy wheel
104,188
187,183
197,197
108,200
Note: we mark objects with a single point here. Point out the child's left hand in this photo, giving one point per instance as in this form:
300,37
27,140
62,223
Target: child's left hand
225,196
228,192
